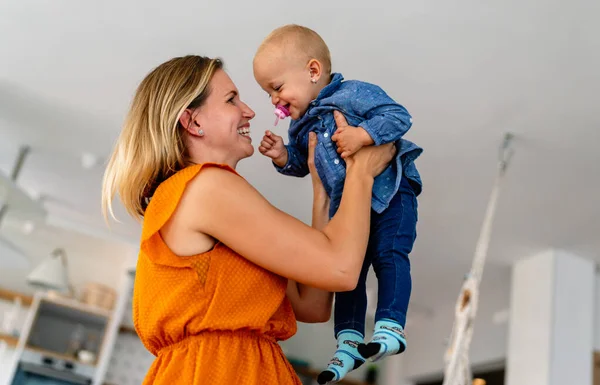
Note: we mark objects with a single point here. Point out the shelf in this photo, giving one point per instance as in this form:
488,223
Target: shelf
76,305
9,295
59,356
10,340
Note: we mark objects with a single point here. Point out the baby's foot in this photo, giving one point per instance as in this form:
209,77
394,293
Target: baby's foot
345,359
388,339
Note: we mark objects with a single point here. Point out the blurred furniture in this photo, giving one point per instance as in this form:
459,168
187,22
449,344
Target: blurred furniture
60,342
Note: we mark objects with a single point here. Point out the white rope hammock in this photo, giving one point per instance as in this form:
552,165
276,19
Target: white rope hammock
457,370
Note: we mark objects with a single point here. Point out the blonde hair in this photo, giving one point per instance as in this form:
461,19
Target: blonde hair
151,147
302,40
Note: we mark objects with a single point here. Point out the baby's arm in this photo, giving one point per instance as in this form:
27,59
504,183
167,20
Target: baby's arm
385,120
295,165
288,159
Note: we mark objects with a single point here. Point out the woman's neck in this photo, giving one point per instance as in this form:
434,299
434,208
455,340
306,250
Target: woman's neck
212,157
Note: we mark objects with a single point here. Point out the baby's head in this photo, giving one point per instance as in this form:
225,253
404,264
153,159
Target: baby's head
292,65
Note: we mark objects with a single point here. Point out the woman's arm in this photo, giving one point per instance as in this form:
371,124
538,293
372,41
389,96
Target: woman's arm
223,205
310,304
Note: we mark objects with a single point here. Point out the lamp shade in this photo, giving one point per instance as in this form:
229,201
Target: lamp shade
51,274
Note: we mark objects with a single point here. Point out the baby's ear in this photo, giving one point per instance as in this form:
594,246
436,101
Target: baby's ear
315,69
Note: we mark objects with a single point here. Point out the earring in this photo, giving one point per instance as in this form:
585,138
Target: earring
200,132
313,80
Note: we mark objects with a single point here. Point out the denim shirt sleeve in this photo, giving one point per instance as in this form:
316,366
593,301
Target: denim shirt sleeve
296,164
385,120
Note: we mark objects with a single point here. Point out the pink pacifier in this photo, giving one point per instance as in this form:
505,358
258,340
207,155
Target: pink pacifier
281,112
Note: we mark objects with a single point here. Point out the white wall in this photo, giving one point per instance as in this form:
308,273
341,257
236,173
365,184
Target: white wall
574,292
551,331
530,334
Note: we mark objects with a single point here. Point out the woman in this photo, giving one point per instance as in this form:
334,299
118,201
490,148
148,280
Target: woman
215,288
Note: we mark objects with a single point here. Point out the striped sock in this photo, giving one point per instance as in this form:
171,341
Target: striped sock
345,359
388,339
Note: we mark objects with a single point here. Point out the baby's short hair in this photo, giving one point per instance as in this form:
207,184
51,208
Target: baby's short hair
303,40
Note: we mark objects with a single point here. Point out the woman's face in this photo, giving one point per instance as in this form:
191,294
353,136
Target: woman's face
225,119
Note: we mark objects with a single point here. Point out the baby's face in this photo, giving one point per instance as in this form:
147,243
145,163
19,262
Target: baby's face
286,81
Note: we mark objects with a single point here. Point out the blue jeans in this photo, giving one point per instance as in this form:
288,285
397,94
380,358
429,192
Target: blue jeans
393,233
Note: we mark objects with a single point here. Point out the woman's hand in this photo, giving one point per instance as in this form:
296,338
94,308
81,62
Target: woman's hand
314,175
321,201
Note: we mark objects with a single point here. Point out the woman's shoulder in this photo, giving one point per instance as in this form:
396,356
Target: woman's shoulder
169,193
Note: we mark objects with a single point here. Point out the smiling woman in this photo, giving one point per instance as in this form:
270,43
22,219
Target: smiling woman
210,299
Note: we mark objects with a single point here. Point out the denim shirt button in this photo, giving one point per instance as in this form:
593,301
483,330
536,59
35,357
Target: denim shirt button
336,161
325,135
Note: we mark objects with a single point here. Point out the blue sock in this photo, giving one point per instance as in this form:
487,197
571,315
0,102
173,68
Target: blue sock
345,359
388,339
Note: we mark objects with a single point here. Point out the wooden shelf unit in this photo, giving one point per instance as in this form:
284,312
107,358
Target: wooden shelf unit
10,340
9,295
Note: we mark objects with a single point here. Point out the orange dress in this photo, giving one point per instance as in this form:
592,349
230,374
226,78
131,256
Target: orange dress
213,318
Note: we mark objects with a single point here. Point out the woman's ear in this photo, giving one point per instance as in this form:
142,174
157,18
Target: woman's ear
188,123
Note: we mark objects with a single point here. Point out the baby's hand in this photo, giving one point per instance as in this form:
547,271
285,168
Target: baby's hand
273,147
349,139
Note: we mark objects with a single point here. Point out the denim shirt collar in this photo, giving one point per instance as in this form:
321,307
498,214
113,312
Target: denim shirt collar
332,87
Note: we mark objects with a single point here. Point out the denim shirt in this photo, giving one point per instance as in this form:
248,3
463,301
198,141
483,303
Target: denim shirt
365,105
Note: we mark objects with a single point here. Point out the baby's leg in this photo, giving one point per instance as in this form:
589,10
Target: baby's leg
394,235
349,317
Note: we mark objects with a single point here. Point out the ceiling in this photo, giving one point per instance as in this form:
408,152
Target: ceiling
467,71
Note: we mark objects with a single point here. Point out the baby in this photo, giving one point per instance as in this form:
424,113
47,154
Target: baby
293,66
